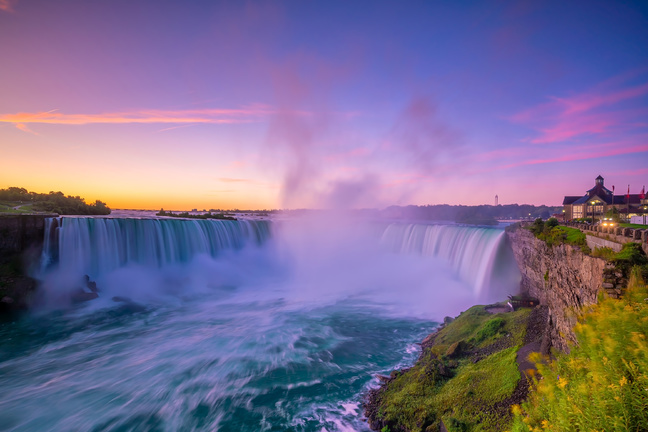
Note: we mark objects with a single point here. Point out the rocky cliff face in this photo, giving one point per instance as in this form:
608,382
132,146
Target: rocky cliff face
19,233
561,277
21,241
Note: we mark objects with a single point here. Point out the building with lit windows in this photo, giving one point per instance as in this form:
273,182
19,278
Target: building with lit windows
599,200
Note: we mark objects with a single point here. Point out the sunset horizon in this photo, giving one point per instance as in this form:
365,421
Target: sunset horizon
266,105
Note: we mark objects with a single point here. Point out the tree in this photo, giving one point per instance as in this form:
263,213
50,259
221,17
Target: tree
551,222
613,214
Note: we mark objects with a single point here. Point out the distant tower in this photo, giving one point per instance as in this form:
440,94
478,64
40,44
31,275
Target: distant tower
496,200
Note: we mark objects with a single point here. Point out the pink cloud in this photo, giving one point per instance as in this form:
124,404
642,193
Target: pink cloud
24,128
598,112
614,149
6,5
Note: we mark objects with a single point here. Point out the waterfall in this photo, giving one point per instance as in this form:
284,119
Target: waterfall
479,256
95,246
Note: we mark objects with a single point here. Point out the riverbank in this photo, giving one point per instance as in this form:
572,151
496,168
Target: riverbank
469,373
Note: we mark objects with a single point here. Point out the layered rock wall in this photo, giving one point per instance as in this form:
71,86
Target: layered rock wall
20,234
561,277
21,241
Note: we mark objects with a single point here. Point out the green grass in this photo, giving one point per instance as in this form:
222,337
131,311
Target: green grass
559,235
420,398
4,208
573,236
602,385
8,207
486,382
637,226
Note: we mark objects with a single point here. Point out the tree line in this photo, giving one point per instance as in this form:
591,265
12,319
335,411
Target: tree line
54,202
481,214
208,215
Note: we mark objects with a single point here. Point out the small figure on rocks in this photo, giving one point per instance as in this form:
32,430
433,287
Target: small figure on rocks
85,293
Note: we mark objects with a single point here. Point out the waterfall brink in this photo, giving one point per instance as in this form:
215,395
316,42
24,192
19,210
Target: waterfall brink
479,256
95,246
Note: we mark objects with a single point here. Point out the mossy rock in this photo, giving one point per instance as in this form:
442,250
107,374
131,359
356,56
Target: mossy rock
456,349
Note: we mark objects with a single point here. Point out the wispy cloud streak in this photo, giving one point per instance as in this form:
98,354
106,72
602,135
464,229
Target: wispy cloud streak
614,149
214,116
602,111
24,128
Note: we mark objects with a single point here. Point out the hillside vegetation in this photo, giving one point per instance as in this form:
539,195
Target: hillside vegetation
466,377
602,385
20,200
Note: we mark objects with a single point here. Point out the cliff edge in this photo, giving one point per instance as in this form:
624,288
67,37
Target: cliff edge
561,276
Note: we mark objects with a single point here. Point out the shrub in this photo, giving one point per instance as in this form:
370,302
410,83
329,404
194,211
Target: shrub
537,227
551,222
604,252
631,255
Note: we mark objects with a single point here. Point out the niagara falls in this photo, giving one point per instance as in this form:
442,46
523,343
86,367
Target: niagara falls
236,324
340,216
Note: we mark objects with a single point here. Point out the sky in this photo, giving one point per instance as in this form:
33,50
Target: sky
336,104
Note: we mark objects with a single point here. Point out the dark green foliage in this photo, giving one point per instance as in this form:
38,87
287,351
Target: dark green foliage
557,235
631,255
551,223
464,213
454,425
603,252
15,194
209,215
537,227
54,202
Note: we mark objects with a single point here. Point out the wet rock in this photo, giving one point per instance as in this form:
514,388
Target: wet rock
383,378
81,296
129,305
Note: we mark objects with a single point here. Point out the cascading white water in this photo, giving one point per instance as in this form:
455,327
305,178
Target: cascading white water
95,246
471,251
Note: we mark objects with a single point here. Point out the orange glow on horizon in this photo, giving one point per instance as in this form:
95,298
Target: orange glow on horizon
214,116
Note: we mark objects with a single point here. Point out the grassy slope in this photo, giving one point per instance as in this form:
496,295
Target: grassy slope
420,398
8,207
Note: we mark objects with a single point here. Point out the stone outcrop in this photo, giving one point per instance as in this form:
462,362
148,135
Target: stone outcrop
21,241
21,233
561,277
